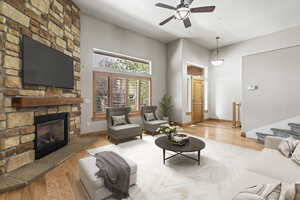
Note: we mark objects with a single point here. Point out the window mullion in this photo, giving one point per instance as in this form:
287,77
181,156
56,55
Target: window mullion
110,90
127,88
138,94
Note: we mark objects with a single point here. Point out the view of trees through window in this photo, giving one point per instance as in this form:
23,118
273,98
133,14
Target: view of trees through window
121,64
117,89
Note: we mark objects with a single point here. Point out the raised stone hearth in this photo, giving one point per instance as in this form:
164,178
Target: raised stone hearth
55,23
26,174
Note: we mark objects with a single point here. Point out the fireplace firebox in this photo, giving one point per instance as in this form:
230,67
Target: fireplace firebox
52,133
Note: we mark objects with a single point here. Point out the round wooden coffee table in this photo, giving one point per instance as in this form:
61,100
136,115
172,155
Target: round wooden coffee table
193,145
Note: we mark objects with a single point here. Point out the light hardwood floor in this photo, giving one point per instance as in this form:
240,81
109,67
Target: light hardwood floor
222,132
62,183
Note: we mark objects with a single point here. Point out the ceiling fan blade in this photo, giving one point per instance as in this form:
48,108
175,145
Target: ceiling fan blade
167,20
187,23
188,2
162,5
203,9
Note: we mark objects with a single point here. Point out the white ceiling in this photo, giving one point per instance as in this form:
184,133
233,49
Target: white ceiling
233,20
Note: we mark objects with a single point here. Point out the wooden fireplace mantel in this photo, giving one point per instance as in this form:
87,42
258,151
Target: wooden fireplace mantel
25,102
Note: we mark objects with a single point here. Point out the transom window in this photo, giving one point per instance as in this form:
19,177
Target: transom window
120,89
121,63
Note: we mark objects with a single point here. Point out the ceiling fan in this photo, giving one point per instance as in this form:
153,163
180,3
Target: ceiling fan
183,11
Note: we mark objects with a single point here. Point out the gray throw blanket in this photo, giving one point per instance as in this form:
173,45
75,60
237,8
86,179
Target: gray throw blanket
115,172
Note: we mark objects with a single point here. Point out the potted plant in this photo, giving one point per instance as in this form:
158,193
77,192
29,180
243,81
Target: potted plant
173,136
166,106
167,130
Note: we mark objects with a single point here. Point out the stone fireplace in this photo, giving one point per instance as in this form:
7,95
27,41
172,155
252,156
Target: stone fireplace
52,133
56,24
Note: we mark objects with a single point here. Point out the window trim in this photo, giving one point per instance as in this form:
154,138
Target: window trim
102,116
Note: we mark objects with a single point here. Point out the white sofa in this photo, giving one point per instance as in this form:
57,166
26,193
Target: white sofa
269,167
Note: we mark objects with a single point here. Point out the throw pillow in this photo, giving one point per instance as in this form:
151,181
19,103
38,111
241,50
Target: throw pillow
118,120
296,154
149,117
287,146
260,192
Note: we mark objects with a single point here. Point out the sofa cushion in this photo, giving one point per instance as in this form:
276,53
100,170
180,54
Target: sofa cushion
296,155
272,163
242,181
297,191
125,127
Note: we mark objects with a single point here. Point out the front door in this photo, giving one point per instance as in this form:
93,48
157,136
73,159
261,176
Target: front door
197,100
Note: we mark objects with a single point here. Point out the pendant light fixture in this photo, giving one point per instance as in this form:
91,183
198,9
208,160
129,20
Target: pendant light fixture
218,61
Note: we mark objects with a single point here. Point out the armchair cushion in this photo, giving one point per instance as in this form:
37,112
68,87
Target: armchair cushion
118,120
157,122
125,127
149,116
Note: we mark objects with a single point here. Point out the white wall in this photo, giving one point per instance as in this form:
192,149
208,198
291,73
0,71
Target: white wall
198,56
101,35
175,78
181,53
225,81
276,73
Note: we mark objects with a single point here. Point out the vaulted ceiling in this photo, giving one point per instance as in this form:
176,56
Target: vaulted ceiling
233,20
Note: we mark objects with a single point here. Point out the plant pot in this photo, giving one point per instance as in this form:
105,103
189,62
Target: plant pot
166,118
171,136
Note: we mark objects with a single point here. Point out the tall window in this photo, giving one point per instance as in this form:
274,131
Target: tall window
120,89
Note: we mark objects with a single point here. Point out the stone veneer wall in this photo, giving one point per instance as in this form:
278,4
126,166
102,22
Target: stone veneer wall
55,23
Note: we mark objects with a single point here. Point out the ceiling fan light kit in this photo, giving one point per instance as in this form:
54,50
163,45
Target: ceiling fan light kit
183,11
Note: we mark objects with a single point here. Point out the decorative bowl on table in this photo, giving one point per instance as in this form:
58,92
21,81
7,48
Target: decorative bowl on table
180,139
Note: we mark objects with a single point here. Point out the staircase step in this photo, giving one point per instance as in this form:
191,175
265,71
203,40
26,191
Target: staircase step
294,124
295,127
285,133
262,136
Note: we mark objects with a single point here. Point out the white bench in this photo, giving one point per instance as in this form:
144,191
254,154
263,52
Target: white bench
93,185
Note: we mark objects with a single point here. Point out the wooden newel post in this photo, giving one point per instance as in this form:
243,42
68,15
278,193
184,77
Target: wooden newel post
236,113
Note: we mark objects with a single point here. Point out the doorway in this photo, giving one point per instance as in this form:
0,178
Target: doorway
197,100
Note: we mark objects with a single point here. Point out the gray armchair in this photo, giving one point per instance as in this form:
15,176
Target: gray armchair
123,131
151,126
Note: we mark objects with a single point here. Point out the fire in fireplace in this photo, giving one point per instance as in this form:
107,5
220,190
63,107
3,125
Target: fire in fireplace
51,133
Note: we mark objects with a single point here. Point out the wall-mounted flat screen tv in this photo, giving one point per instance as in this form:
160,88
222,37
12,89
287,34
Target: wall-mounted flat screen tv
45,66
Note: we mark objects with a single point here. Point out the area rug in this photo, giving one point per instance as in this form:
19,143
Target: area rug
181,178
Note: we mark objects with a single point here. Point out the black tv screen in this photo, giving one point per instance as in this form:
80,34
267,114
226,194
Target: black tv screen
45,66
